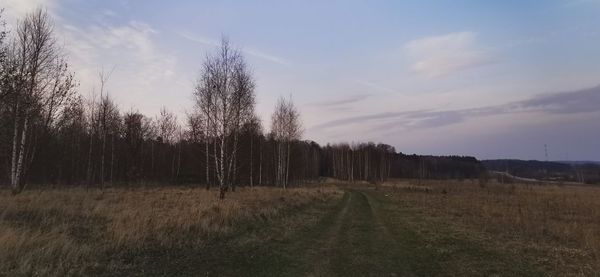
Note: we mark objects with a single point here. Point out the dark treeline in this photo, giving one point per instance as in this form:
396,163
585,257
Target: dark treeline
585,172
436,167
378,162
135,152
50,134
365,161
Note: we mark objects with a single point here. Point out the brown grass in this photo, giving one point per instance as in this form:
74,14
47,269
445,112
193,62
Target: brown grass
71,231
559,226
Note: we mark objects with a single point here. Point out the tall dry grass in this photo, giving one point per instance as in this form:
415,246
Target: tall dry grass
558,224
71,231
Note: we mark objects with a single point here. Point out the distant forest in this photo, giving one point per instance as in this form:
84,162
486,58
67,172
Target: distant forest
582,172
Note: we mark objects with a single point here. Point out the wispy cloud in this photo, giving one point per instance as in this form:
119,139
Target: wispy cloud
142,69
16,9
375,86
249,51
438,56
198,39
340,101
266,56
571,102
109,13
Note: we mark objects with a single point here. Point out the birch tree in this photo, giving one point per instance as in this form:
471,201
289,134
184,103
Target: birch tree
4,66
41,86
224,95
286,127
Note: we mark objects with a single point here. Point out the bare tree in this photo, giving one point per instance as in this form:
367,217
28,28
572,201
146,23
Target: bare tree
198,128
225,96
105,111
286,127
42,86
252,131
168,134
167,126
5,68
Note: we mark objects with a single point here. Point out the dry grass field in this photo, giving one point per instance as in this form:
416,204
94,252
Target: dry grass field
77,232
400,228
558,227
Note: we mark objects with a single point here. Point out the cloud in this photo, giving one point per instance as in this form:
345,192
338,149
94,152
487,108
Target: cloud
142,69
17,9
585,100
341,101
361,119
266,56
443,55
109,13
249,51
570,102
198,39
375,86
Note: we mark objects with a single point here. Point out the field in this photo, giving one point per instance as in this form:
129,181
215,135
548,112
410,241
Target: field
76,232
554,228
400,228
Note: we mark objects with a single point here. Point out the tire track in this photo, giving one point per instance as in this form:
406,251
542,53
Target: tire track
328,240
359,244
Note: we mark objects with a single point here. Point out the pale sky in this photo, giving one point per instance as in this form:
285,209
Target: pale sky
492,79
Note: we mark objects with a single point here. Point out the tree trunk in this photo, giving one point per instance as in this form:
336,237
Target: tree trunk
178,162
18,184
141,161
152,157
279,165
251,158
112,156
207,163
173,164
352,166
89,169
216,160
287,166
102,156
260,151
13,168
222,168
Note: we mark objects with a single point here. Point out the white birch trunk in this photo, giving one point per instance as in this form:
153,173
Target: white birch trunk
13,168
18,184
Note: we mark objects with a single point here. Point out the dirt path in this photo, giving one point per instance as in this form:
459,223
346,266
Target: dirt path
372,235
358,245
366,234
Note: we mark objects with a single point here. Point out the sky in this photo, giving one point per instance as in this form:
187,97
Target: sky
490,79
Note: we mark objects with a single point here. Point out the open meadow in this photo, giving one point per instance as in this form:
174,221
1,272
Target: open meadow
399,228
77,232
555,228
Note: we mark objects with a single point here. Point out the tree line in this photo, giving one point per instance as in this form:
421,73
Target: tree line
582,172
51,134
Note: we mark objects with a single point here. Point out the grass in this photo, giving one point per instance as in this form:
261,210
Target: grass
370,234
402,228
75,232
555,227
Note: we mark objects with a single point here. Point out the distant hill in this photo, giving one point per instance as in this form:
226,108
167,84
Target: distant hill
579,162
573,171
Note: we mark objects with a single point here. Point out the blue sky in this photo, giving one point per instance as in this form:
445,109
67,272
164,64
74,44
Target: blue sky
493,79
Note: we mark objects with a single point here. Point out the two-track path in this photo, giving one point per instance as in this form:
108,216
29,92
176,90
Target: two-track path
370,234
366,234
